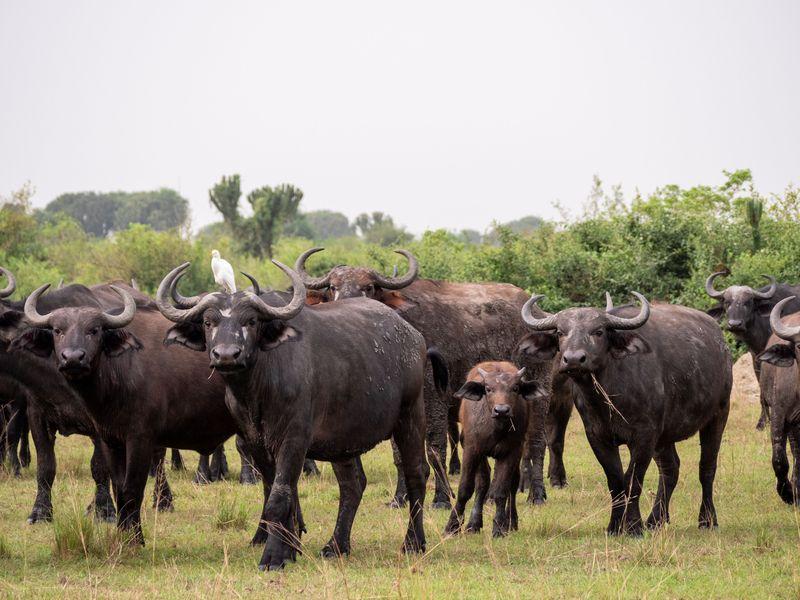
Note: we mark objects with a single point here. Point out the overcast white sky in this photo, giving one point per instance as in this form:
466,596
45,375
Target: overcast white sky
443,114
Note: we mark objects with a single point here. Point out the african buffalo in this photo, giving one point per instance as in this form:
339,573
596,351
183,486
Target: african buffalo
645,380
746,316
494,423
467,323
781,388
329,382
134,389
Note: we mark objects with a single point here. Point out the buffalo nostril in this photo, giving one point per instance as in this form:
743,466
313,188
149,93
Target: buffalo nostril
582,358
502,409
214,353
236,353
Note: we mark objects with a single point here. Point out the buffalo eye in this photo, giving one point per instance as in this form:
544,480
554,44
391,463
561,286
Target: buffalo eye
252,322
332,288
207,323
560,333
56,331
93,331
599,333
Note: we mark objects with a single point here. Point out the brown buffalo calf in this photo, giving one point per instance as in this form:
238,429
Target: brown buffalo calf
493,424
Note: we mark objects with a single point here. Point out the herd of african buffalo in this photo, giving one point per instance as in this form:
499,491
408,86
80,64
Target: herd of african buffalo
341,362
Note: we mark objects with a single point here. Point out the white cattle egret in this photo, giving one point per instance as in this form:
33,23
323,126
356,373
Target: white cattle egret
223,272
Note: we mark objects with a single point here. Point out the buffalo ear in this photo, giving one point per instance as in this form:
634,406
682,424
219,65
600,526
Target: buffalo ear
35,340
716,312
118,341
315,297
531,390
186,334
627,343
541,347
9,324
780,355
395,300
276,334
471,390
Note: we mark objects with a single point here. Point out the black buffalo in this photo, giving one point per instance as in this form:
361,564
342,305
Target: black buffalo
13,426
745,311
133,388
781,388
647,379
329,382
468,323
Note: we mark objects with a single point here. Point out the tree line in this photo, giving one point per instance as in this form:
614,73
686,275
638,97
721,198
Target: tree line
663,245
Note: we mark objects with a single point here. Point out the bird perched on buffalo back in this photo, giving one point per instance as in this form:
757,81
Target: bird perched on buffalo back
223,272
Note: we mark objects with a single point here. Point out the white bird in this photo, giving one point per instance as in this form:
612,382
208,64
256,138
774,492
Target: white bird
223,272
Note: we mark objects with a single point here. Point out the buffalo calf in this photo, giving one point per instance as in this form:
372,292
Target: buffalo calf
494,422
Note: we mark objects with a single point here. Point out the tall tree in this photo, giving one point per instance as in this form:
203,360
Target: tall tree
272,208
329,224
379,228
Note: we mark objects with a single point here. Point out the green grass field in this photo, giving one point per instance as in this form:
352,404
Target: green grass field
561,549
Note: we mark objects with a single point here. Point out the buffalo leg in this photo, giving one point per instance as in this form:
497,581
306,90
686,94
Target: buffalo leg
266,467
641,455
763,417
607,454
436,410
794,440
176,460
410,437
281,510
351,489
137,457
162,494
203,474
453,436
536,445
780,461
103,505
504,486
482,481
248,475
14,427
310,468
668,464
44,440
557,421
710,440
24,442
219,464
400,492
466,487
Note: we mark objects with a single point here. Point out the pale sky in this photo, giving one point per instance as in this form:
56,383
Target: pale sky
443,114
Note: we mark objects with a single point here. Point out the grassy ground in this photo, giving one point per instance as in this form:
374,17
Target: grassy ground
560,550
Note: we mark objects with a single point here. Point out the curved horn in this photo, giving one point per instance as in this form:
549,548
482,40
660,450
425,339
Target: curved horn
785,332
609,302
12,283
179,299
396,283
546,324
31,314
710,285
128,312
291,310
773,286
179,314
635,322
312,283
253,282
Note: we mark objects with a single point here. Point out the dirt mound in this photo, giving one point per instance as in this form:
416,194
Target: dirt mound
745,384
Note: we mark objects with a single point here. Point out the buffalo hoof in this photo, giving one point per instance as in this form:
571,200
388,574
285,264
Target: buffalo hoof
260,538
537,497
40,515
397,502
654,523
474,527
276,557
413,545
335,550
103,512
499,532
455,468
310,468
453,526
247,478
441,504
201,479
163,504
